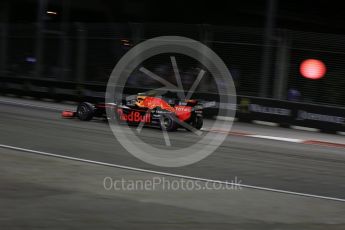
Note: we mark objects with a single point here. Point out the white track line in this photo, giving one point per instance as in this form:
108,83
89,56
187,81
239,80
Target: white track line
169,174
276,138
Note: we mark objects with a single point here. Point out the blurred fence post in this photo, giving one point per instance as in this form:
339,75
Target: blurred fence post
3,37
136,32
3,48
206,37
65,45
41,9
282,68
206,34
81,56
267,49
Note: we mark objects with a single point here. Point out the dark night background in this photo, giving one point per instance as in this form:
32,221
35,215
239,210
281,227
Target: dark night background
306,15
235,30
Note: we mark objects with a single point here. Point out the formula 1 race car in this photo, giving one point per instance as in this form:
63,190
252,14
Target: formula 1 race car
148,110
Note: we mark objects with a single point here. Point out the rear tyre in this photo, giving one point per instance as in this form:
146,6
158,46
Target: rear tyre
199,122
85,111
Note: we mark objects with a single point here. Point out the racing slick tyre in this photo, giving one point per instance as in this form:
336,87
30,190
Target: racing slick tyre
169,123
199,121
85,111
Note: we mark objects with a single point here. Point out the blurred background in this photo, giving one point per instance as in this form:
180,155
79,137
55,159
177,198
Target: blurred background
64,47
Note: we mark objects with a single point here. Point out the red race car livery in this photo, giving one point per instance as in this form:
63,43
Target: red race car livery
152,111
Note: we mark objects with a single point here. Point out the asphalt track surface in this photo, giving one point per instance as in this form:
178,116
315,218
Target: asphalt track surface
272,164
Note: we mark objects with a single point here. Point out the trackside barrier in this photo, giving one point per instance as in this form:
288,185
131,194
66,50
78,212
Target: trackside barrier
325,118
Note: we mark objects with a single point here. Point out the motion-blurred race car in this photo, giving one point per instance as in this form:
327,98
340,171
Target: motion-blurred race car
147,110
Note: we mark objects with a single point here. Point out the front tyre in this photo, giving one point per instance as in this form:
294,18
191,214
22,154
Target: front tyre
85,111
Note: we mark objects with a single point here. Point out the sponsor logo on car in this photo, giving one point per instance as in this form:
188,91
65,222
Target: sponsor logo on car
186,109
134,116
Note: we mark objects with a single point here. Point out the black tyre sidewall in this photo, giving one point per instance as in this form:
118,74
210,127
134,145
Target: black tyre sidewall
172,126
85,111
199,122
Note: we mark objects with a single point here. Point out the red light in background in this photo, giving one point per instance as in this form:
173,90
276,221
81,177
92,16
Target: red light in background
313,69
